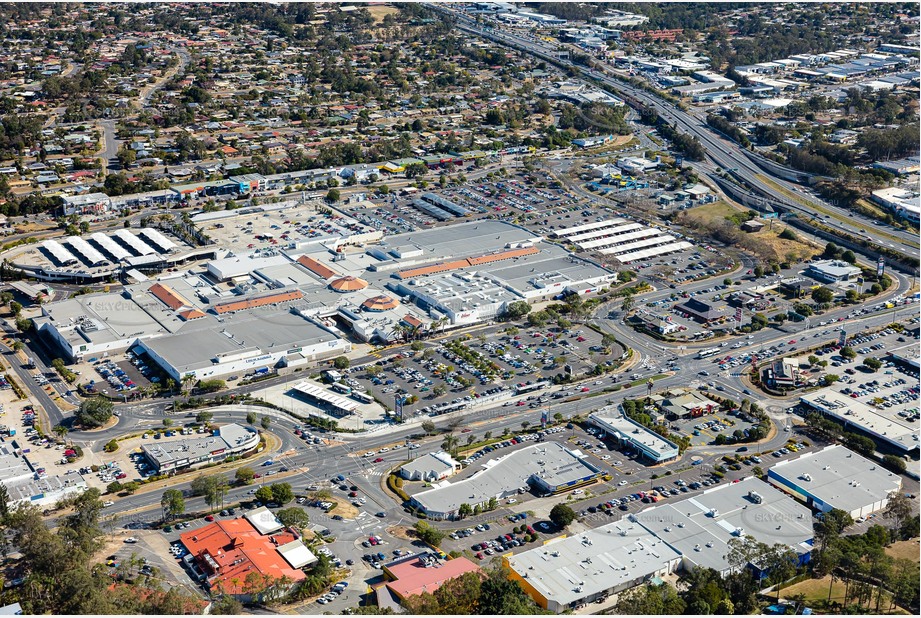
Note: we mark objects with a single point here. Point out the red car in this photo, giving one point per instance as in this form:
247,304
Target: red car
584,389
479,556
209,517
378,460
580,339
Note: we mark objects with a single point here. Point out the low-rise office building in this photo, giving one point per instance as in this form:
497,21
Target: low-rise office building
568,572
430,467
231,439
832,271
548,467
648,444
837,478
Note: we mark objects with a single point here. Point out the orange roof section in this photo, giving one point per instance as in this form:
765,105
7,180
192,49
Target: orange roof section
412,321
380,303
414,578
474,261
167,296
348,284
191,314
262,301
229,550
320,270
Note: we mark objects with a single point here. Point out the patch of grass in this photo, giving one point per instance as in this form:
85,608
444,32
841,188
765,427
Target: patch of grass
905,549
810,205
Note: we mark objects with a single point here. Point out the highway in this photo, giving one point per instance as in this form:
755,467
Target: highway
721,153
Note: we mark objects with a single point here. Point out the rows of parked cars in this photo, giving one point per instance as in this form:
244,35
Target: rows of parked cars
114,375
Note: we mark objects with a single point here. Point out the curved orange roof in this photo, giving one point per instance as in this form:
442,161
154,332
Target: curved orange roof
380,303
348,284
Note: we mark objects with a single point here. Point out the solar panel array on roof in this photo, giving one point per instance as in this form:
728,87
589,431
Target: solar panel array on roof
432,210
61,255
158,240
90,255
133,242
108,245
446,205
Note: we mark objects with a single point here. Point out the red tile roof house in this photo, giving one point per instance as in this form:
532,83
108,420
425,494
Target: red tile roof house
237,559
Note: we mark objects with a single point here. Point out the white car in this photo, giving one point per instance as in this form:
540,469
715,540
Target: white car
107,503
131,539
622,483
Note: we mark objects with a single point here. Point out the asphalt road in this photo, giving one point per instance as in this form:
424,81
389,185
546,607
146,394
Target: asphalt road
727,155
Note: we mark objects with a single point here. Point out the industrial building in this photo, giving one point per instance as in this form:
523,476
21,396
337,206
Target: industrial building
231,439
837,478
568,572
700,528
548,467
650,445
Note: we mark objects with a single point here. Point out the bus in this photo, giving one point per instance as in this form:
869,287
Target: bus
521,389
362,397
707,352
339,387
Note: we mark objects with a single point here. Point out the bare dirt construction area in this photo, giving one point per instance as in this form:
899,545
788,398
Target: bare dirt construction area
345,510
722,222
402,532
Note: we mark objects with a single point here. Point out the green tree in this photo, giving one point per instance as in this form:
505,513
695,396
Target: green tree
848,352
251,417
341,362
894,462
898,509
94,412
822,295
282,493
265,421
293,517
428,534
562,515
333,195
516,310
111,446
173,503
264,494
213,488
465,510
428,427
872,363
244,475
114,487
204,417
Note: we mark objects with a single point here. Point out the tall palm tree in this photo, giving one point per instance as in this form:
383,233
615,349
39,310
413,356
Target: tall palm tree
628,303
60,431
450,443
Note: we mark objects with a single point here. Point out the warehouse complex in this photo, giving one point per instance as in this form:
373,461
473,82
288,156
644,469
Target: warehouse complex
591,565
701,527
836,478
881,424
548,467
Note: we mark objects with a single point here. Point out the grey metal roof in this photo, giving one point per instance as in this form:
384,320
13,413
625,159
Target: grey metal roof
592,562
701,527
839,477
504,475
